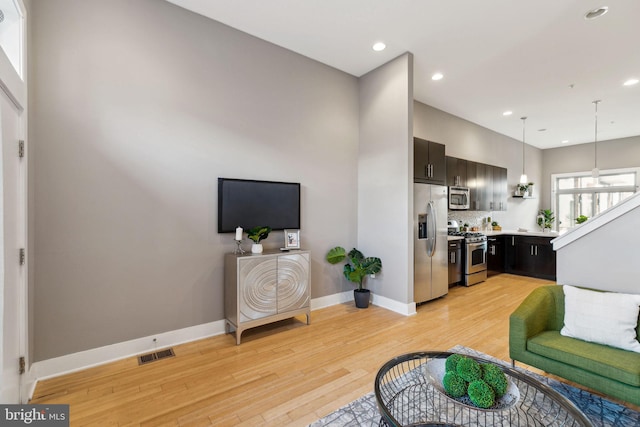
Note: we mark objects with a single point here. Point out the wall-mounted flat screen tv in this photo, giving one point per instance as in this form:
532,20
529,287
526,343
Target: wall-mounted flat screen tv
248,203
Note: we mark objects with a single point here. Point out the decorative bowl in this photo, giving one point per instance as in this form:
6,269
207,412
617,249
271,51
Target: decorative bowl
435,370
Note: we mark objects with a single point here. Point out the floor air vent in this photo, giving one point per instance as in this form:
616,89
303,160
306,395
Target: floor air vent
162,354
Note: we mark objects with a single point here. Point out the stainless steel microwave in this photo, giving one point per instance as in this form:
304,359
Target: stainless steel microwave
458,198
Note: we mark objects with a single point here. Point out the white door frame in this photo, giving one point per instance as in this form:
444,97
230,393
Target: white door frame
14,88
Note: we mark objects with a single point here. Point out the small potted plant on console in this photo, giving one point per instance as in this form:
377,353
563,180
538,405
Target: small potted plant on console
355,270
257,234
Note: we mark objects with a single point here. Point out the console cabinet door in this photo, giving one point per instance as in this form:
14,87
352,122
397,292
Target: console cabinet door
293,282
258,281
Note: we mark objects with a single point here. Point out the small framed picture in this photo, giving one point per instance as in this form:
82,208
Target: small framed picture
292,239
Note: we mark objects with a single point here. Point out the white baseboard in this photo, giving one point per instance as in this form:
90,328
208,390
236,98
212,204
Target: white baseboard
28,390
329,300
99,356
380,301
393,305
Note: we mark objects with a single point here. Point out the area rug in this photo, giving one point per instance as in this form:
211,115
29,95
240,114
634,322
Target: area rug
601,412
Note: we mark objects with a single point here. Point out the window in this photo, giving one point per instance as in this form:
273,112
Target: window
11,33
579,193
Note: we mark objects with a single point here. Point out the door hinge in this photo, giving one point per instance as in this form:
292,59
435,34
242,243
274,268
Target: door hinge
21,148
22,365
22,256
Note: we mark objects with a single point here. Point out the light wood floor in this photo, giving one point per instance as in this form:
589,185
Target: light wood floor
287,373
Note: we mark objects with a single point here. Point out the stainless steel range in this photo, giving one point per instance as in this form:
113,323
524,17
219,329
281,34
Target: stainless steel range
474,255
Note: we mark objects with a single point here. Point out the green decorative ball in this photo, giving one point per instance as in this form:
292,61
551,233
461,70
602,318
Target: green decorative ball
454,385
469,369
494,376
481,394
451,362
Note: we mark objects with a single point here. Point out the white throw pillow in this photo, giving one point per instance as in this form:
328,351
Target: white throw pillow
603,317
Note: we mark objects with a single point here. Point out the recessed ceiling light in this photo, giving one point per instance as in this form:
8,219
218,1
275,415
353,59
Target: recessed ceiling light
379,46
631,82
596,13
437,76
565,141
507,113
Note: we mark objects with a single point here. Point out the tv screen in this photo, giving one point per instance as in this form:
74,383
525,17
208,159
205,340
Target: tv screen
247,204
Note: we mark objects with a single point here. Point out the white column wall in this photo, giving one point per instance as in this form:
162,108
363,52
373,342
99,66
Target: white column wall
385,163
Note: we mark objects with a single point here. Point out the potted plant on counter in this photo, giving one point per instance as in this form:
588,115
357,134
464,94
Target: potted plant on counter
581,219
545,219
355,270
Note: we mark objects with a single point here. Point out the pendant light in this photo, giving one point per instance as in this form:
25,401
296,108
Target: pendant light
595,172
523,177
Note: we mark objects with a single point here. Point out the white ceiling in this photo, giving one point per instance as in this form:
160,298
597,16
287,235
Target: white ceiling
496,55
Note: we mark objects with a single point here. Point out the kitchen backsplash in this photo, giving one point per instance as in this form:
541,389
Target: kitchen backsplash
473,218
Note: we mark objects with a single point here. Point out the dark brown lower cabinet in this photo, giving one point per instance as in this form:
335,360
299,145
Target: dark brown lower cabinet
530,256
455,262
495,255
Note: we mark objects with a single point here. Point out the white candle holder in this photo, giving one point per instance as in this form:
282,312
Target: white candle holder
238,249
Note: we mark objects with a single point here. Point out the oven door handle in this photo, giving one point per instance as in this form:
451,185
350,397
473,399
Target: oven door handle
476,244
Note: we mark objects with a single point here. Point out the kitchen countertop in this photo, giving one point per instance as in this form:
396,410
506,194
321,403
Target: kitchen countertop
522,233
535,233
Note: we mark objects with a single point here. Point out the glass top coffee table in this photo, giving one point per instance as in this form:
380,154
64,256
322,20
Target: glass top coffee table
408,394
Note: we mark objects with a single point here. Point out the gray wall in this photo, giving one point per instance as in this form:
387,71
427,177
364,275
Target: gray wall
613,154
385,169
137,108
606,258
467,140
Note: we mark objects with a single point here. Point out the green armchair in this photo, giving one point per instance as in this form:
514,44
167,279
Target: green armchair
535,339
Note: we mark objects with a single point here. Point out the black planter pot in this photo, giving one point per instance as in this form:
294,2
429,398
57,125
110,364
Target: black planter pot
362,297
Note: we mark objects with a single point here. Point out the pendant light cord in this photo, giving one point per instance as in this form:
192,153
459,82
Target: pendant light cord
523,119
595,139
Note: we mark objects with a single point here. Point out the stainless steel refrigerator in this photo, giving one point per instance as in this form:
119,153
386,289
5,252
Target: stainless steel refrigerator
430,274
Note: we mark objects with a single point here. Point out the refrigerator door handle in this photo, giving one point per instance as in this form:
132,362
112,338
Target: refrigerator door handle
431,229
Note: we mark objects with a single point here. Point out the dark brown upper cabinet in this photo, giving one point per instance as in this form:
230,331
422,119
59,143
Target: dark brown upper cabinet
429,163
487,184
